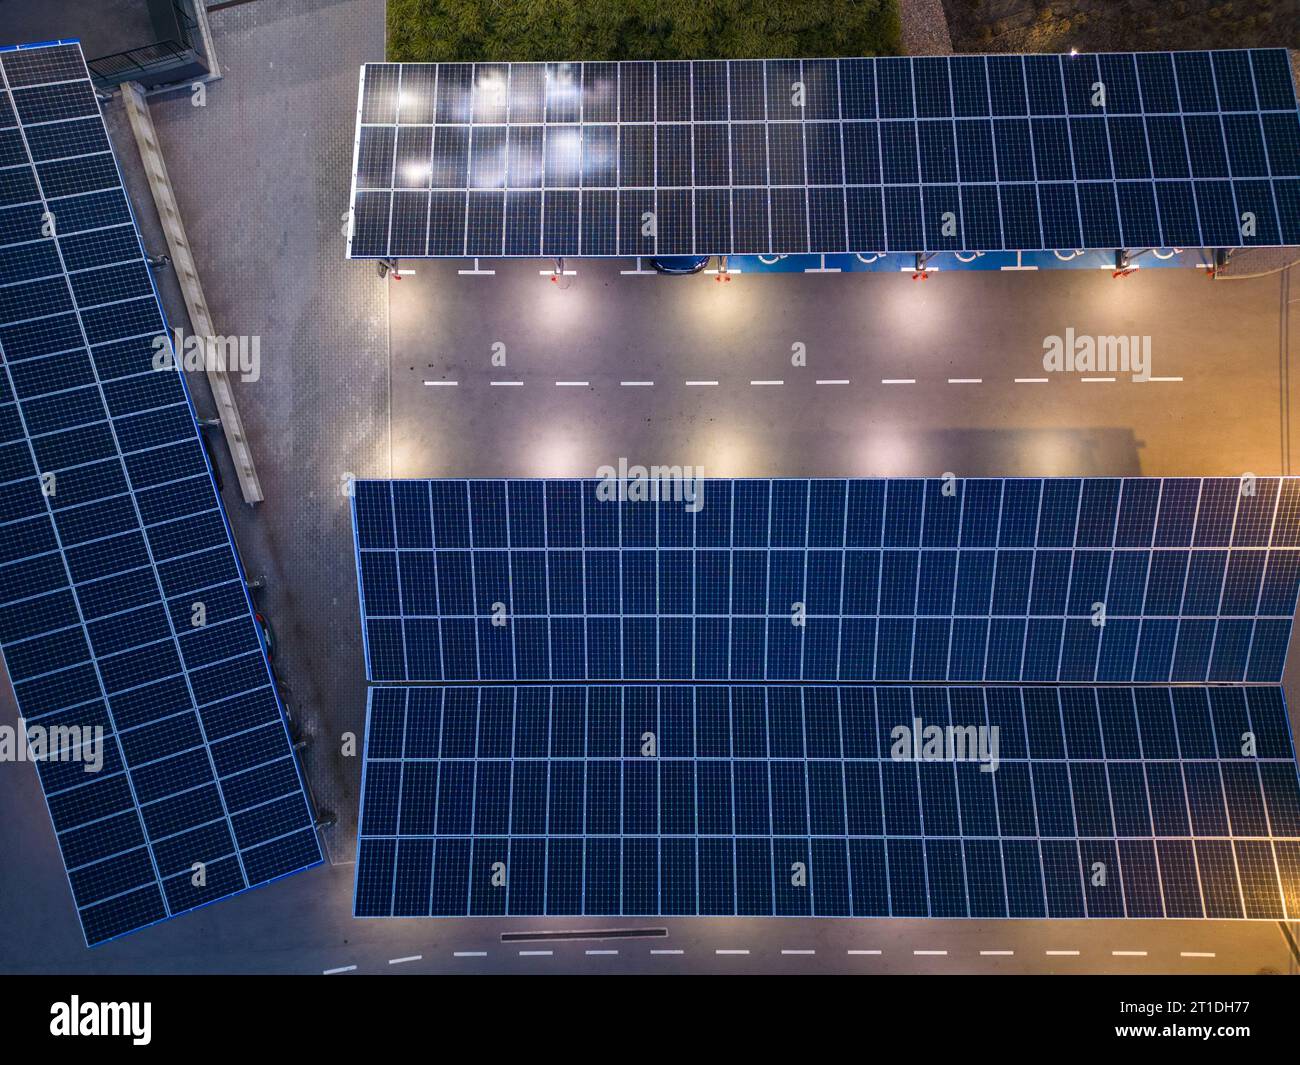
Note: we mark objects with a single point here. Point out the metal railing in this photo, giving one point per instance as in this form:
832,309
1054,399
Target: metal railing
139,62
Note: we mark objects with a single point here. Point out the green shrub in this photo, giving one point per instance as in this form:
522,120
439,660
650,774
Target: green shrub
523,30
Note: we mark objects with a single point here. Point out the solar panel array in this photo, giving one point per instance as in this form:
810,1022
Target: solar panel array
1068,579
718,800
122,601
787,156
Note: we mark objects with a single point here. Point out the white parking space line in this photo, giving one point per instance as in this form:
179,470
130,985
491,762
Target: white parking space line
724,950
403,961
1129,953
833,381
1031,380
798,952
636,384
661,951
507,384
536,953
340,969
767,382
898,380
442,384
965,380
930,953
998,953
701,384
1197,954
1061,953
572,384
469,953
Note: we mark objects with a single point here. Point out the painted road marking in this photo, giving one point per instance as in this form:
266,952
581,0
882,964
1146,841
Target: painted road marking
341,969
965,380
833,381
507,384
1061,953
798,952
442,384
636,384
572,384
998,953
1031,380
1097,380
536,953
898,380
1197,954
930,953
599,952
469,954
403,961
1129,953
1159,379
722,950
863,952
700,383
667,952
767,382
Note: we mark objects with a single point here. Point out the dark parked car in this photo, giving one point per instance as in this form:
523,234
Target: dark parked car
680,264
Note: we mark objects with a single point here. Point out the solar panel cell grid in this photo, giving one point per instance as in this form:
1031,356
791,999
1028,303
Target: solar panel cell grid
1112,580
868,129
115,544
794,801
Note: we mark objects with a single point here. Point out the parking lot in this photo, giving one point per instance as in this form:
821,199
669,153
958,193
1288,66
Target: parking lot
366,377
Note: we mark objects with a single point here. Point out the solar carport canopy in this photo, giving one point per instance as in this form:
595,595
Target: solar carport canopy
124,621
823,156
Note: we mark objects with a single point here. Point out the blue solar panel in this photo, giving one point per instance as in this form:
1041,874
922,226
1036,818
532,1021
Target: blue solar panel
933,153
122,601
1018,580
806,801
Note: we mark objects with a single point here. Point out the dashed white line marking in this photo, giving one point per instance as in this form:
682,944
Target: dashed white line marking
930,953
798,952
636,384
701,384
536,953
1164,379
863,952
442,384
667,951
1197,954
898,380
469,954
340,969
997,953
965,380
572,384
403,961
507,384
723,950
1031,380
1097,380
832,381
767,382
595,953
1061,953
1129,953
